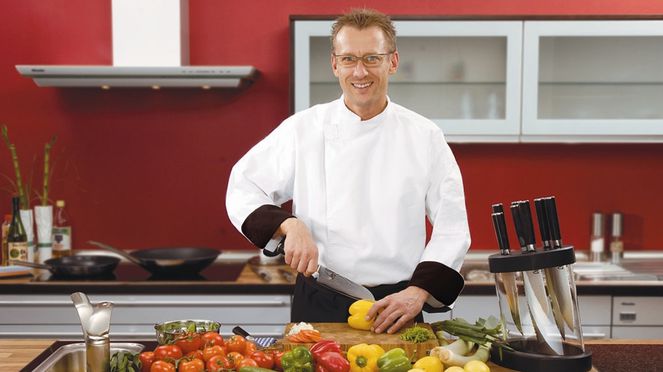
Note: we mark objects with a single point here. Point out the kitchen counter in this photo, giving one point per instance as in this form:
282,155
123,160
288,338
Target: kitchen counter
607,355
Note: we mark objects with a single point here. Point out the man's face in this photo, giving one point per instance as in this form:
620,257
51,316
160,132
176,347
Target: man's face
364,88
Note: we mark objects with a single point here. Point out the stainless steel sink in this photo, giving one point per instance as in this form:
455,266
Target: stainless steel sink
71,358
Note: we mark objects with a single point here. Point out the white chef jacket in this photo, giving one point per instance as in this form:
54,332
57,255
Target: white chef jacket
362,187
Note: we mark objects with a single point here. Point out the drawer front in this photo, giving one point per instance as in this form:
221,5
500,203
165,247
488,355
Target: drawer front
637,311
595,310
647,333
595,332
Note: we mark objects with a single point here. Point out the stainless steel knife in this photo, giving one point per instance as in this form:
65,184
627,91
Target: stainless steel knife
508,280
535,289
550,273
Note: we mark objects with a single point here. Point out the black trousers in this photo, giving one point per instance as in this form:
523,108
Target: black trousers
315,303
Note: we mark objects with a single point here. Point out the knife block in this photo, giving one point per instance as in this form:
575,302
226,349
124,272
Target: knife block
539,311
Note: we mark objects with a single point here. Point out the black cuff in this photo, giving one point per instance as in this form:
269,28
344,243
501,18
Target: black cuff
441,281
261,224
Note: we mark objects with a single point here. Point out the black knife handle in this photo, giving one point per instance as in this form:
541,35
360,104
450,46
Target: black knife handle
240,331
515,214
527,225
542,219
499,224
553,221
497,208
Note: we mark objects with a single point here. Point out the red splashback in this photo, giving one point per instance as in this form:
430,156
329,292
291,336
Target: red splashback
143,168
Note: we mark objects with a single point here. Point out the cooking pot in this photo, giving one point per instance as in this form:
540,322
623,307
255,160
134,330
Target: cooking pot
160,261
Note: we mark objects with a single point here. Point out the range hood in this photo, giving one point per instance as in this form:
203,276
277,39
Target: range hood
150,49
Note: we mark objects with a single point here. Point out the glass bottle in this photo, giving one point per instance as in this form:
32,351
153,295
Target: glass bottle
61,231
616,243
17,239
597,245
5,233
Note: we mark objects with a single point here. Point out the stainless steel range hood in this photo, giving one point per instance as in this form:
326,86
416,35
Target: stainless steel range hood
150,49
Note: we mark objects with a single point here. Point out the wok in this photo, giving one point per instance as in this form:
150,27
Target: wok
160,261
75,266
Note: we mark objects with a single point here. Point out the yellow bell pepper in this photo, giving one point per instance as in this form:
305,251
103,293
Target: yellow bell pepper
357,318
429,364
364,358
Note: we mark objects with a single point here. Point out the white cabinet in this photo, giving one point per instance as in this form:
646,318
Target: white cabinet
463,75
134,316
593,81
637,317
510,81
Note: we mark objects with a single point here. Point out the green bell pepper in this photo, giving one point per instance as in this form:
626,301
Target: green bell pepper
394,360
298,359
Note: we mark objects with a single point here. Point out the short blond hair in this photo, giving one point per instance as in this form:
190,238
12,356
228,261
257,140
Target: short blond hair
365,18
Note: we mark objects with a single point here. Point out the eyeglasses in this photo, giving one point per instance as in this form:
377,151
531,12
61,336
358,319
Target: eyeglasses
368,60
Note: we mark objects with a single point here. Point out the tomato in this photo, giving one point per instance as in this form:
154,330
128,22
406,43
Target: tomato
277,355
196,354
236,343
146,360
246,362
167,352
161,366
218,363
192,365
213,338
235,358
211,351
249,348
264,360
190,342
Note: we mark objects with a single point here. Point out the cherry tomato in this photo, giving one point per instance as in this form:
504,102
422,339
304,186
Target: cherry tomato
167,352
193,365
249,348
162,366
277,355
236,343
196,354
218,363
213,338
263,359
211,351
190,342
246,362
146,360
234,358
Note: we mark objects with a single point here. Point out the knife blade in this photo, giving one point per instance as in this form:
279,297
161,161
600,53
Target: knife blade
508,280
564,292
535,290
340,284
550,273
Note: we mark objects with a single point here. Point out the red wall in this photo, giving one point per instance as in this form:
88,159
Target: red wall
145,168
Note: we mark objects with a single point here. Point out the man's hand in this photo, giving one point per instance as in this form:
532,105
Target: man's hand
301,253
395,310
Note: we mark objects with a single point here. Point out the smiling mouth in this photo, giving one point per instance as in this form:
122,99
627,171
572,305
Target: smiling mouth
362,85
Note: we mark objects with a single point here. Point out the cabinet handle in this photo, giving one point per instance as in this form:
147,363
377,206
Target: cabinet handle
628,303
627,316
153,303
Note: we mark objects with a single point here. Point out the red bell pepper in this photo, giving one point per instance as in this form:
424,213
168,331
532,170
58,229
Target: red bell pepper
332,361
324,346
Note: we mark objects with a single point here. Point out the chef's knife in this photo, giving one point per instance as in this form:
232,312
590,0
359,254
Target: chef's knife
507,279
551,275
335,282
562,286
535,290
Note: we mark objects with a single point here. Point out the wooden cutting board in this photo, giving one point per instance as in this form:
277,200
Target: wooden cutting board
347,337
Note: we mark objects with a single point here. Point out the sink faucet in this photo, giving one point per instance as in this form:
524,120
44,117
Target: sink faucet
95,321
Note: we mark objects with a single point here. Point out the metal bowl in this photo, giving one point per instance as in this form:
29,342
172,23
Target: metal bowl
168,332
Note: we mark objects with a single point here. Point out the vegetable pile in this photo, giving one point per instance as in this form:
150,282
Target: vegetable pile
417,334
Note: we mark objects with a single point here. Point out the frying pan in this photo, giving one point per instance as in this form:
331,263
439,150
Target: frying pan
160,261
76,266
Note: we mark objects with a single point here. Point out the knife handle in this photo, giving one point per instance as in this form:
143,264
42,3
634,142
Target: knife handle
515,214
497,208
527,225
553,221
499,224
542,219
280,249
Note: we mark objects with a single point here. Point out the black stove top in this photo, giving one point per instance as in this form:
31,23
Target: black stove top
128,272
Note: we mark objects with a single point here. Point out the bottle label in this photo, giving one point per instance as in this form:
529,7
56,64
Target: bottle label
62,238
18,250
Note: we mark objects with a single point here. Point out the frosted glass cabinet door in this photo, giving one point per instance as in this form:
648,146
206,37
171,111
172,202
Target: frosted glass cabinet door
463,75
593,81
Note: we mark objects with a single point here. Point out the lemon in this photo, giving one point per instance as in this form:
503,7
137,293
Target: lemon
476,366
454,369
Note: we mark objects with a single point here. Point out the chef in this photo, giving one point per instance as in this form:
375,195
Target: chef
363,173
